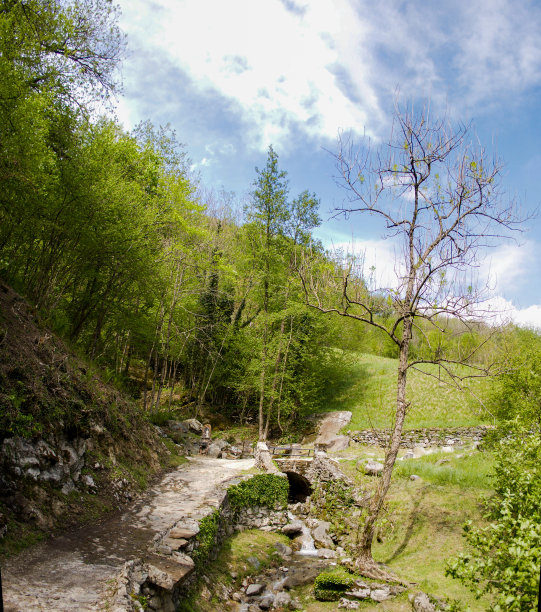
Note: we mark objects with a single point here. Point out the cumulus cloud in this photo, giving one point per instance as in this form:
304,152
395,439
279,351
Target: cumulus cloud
286,65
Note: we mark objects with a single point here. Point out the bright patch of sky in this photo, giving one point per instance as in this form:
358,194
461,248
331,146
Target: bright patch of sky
233,77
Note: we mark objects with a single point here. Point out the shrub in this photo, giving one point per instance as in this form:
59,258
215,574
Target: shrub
262,490
505,555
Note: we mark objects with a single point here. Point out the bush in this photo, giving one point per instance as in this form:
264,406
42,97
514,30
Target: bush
262,490
506,554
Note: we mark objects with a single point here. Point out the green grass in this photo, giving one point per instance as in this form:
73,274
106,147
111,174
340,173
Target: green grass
244,554
471,471
421,526
368,389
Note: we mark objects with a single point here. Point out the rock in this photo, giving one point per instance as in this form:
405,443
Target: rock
236,597
263,460
88,481
266,601
447,449
348,604
282,600
415,477
373,468
320,535
292,529
336,444
255,589
283,550
420,602
182,533
380,595
331,423
326,553
194,426
214,451
301,576
359,592
442,461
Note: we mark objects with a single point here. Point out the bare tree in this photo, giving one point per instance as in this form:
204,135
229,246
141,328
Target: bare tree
437,195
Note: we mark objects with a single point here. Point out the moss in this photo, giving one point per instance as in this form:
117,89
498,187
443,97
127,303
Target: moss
330,585
206,538
262,490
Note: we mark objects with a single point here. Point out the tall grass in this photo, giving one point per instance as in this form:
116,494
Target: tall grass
472,471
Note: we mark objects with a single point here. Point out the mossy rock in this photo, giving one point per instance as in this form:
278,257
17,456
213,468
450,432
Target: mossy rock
330,585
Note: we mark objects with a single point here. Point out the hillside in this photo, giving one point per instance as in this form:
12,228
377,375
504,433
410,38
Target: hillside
368,390
72,447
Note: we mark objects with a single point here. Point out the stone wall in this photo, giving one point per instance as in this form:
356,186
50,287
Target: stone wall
171,567
433,436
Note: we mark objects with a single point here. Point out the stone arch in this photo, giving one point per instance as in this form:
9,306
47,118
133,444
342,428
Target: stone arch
299,487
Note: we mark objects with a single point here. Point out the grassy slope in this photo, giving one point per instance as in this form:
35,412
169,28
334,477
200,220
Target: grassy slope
422,524
368,389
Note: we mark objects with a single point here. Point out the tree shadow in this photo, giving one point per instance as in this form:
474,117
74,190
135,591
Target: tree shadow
411,525
345,385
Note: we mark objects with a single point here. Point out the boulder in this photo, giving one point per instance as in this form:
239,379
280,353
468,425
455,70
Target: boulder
373,468
283,550
420,602
292,529
193,425
214,450
282,600
263,459
321,536
255,589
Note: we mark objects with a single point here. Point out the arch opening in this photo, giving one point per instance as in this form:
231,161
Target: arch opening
299,488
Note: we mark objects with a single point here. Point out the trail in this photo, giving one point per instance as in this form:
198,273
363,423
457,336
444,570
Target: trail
72,571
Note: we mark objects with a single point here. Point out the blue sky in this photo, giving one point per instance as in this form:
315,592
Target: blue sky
233,77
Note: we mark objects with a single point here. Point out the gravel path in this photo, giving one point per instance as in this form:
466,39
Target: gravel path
72,572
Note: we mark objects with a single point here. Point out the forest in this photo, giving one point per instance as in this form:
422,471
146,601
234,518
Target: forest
187,300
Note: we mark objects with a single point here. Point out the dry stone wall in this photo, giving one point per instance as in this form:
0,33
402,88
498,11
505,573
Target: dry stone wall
433,436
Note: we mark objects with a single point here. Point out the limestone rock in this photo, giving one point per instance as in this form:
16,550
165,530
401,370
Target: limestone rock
347,604
321,536
194,426
292,529
214,450
282,600
283,550
255,589
373,468
266,602
420,602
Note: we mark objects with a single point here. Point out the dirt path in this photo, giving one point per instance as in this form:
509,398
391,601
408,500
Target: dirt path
72,572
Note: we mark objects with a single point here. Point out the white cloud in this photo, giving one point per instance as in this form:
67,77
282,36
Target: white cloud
508,268
322,66
276,65
498,310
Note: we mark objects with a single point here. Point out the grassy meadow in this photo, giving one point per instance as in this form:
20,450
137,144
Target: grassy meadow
367,388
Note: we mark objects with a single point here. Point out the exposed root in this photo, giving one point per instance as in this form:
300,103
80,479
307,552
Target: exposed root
369,568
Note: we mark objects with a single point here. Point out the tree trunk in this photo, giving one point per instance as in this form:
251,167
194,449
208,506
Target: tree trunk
365,561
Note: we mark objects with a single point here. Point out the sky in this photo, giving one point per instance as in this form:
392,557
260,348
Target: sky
232,78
